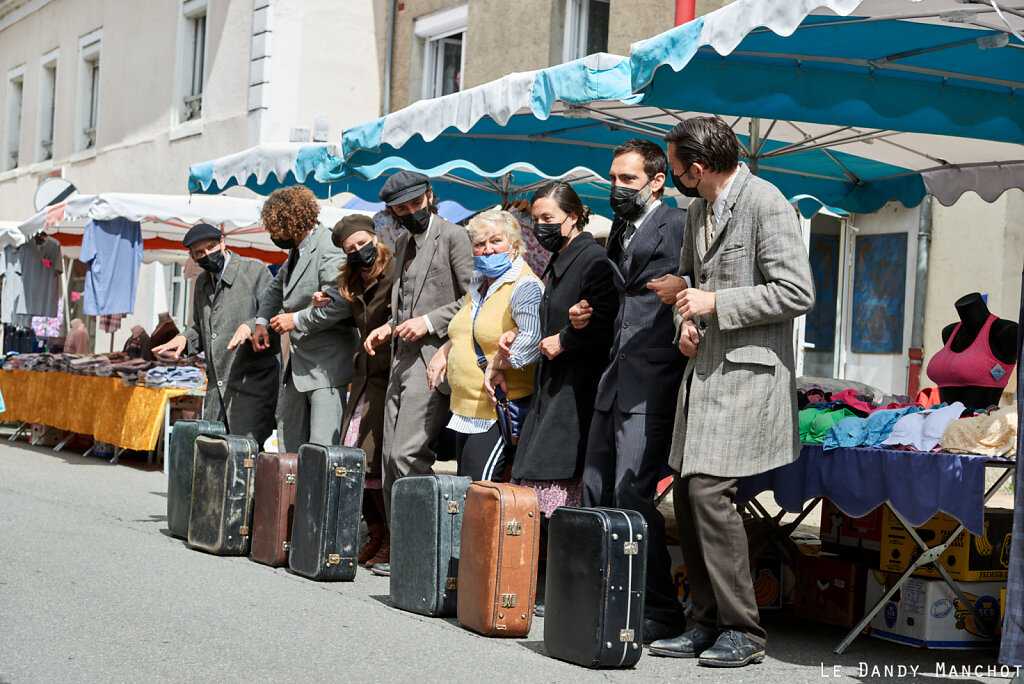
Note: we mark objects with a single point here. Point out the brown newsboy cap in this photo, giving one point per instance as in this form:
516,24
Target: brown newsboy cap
353,223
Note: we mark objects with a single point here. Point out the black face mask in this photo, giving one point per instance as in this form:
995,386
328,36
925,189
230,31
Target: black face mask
212,262
626,202
683,190
283,243
364,257
417,222
549,236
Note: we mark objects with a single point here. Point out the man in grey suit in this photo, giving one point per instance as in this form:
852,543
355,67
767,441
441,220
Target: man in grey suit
321,339
434,262
241,387
628,445
736,411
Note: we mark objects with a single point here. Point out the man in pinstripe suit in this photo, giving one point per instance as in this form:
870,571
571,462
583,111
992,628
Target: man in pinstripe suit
631,431
736,410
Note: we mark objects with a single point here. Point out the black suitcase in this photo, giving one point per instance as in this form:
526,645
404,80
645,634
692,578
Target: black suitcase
426,525
222,489
180,457
328,501
594,594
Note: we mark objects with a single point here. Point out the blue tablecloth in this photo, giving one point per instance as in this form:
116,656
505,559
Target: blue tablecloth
857,480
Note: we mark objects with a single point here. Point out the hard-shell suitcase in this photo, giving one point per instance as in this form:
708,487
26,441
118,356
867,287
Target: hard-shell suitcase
594,588
498,563
273,508
220,520
328,501
180,457
426,529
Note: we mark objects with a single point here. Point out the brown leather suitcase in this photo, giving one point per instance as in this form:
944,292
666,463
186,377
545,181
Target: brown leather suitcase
274,508
498,567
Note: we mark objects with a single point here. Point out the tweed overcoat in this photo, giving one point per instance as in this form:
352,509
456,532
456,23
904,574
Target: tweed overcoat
371,309
324,339
241,389
736,411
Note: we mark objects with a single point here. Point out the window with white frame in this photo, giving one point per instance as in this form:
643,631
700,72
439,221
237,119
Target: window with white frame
179,285
191,61
47,105
443,34
586,28
12,132
87,114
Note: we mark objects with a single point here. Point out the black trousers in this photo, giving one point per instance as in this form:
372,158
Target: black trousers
626,453
483,456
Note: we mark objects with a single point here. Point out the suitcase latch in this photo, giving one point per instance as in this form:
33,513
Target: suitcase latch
243,530
453,507
508,600
630,548
340,471
285,546
248,463
451,583
514,528
289,479
333,559
625,636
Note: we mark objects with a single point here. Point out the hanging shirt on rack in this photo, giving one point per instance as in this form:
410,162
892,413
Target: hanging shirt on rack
40,269
113,250
12,300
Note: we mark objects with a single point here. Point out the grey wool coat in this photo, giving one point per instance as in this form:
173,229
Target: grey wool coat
325,337
736,411
241,389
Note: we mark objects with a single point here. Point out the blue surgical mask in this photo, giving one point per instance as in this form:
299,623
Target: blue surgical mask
492,265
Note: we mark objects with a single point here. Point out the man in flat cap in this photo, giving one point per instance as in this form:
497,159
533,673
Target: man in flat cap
321,340
241,387
434,262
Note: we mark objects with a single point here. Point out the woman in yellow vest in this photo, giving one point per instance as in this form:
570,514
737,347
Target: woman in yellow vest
504,294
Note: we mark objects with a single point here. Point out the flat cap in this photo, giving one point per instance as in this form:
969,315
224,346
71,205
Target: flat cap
201,231
346,227
403,186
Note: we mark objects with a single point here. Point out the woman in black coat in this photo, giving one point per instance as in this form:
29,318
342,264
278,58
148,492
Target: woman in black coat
553,440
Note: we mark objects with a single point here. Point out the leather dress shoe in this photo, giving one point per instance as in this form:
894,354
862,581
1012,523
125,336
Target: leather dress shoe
689,644
654,630
382,569
732,649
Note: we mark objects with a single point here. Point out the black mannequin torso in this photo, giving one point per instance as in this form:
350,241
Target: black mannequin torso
1002,338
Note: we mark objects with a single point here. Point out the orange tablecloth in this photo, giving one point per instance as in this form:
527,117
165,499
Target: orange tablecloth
128,417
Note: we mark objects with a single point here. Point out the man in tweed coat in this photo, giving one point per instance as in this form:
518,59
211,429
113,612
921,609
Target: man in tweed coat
736,411
241,388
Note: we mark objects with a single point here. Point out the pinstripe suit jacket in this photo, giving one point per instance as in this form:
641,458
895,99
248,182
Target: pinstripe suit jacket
736,412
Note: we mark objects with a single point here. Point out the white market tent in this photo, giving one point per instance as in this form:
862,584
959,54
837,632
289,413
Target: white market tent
165,219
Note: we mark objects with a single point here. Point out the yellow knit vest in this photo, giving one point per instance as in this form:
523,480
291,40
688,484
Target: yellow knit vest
464,375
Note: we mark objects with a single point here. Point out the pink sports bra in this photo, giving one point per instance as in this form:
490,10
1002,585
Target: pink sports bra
975,366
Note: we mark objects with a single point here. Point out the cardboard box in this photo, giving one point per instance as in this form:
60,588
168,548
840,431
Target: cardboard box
926,613
829,589
855,539
969,558
772,582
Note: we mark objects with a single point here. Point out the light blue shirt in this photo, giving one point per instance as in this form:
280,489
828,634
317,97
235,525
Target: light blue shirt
113,250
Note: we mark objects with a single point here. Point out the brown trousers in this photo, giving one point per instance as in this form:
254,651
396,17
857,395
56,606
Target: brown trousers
715,551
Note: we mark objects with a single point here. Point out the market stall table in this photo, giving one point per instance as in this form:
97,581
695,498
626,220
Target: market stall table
913,485
103,407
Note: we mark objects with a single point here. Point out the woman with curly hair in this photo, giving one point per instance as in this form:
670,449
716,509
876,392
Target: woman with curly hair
321,339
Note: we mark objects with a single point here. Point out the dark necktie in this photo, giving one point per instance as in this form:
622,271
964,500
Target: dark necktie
410,254
289,265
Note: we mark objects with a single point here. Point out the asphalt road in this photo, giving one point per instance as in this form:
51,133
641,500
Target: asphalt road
92,589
